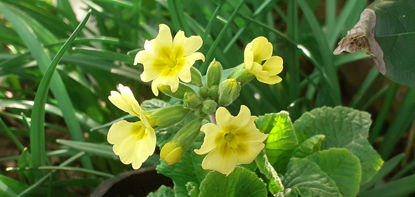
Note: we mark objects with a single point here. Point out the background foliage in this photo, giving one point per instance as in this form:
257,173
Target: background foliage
78,112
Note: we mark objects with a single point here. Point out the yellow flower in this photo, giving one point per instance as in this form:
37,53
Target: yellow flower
255,53
133,142
167,60
232,141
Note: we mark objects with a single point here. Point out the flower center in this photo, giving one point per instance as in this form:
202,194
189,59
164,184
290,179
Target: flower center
138,130
170,61
229,137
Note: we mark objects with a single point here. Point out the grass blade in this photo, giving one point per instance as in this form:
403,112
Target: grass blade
4,128
37,130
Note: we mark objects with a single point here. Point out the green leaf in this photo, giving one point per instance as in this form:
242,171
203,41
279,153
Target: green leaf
188,169
10,187
153,104
266,169
305,178
395,33
162,191
309,146
282,139
341,166
344,128
103,150
241,182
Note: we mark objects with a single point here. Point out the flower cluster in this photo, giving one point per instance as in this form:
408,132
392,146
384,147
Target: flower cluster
228,140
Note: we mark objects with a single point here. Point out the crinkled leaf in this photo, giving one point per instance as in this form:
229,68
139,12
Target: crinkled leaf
241,182
305,178
344,128
309,146
266,169
341,166
282,139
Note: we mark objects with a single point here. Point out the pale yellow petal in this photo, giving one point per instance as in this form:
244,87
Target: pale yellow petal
189,44
118,132
190,59
125,149
248,57
252,152
223,117
262,49
185,75
244,115
124,100
271,80
273,65
223,164
154,87
144,57
163,39
210,130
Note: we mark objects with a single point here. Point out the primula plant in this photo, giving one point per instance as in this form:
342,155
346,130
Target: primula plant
207,151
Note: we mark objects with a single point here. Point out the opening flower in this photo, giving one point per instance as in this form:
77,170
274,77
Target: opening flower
255,53
167,60
232,141
133,142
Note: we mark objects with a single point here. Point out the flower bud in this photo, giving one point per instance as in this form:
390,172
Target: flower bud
164,117
196,77
204,92
191,100
213,92
179,93
173,150
228,91
241,75
209,106
214,73
171,153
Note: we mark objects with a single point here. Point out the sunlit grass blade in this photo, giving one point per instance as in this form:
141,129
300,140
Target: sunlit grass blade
91,148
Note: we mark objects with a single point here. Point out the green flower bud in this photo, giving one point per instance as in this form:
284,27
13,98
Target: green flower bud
241,75
196,77
171,153
209,106
164,117
213,92
228,91
179,93
214,73
191,100
204,92
173,150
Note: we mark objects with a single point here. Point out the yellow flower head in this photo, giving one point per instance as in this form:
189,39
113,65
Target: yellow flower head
133,142
167,60
255,53
232,141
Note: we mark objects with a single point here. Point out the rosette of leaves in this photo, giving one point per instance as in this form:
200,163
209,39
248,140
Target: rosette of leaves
324,153
386,30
